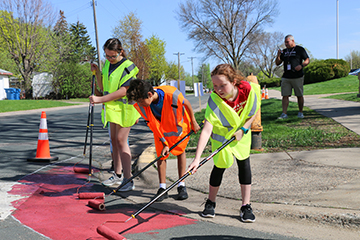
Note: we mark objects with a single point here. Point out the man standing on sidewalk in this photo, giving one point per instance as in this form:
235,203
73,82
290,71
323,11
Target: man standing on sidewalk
295,59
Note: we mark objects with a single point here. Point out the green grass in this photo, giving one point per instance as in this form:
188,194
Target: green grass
293,134
347,97
19,105
77,100
346,84
315,131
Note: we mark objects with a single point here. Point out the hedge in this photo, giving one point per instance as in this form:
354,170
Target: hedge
324,70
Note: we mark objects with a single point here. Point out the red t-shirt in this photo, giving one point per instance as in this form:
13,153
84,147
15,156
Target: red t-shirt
243,93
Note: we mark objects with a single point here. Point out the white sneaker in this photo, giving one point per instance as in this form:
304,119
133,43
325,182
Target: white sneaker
114,179
283,116
128,187
300,115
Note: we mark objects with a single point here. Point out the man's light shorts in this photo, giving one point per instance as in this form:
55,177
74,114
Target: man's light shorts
287,84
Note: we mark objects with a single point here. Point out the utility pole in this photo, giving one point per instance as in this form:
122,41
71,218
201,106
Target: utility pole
179,67
337,29
192,67
96,36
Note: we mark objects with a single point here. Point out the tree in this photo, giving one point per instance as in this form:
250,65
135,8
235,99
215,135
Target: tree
225,29
264,52
204,75
129,33
157,61
72,46
6,62
26,34
353,59
189,80
246,68
172,71
81,43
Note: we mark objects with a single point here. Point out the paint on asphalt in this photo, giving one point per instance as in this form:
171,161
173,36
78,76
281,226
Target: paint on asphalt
50,207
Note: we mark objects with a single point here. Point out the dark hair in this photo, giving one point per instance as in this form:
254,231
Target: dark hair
114,44
139,89
229,72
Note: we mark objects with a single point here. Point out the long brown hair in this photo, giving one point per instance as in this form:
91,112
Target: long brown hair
228,71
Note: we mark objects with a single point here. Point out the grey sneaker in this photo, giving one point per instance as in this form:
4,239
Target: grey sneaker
283,116
300,115
114,179
246,214
209,211
128,187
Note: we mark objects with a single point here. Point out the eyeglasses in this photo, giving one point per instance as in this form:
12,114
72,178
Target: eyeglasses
111,57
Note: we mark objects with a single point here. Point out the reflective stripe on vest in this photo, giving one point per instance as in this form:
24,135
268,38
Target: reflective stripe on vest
226,122
119,111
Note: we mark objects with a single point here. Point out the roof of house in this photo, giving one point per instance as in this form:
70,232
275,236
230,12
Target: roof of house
4,72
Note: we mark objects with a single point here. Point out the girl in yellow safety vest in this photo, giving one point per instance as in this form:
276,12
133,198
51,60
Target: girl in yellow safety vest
230,111
114,82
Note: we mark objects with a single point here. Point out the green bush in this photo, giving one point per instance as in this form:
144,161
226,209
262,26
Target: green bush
270,82
324,70
73,80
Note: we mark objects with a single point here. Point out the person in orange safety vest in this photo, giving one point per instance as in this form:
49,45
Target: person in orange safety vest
170,117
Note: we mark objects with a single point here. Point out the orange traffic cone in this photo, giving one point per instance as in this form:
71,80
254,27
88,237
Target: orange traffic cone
266,93
43,148
263,93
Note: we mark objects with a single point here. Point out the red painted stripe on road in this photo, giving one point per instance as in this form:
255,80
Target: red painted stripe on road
54,210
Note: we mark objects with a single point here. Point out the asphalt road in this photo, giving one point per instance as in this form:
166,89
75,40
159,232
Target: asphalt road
67,128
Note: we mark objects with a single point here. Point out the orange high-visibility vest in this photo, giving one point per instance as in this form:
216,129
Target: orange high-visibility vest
175,121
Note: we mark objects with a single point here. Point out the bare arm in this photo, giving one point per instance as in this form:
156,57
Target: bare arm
278,61
95,68
203,139
239,134
195,125
110,97
304,64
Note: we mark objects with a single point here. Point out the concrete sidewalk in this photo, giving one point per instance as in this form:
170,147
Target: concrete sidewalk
320,186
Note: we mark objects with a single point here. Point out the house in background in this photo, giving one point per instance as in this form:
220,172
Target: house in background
4,82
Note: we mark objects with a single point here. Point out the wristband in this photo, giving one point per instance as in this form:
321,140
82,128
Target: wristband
245,130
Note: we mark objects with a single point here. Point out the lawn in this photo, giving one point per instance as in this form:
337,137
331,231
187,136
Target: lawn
19,105
346,84
293,134
346,97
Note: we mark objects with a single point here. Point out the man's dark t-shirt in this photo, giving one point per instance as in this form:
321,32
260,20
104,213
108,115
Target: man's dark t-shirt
295,57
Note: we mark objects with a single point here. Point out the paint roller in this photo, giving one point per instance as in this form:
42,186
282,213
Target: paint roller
91,195
96,205
109,234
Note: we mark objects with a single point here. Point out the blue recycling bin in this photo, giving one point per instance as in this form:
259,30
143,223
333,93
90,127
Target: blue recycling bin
12,93
17,93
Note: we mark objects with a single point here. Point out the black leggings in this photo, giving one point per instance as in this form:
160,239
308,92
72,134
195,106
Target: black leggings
244,172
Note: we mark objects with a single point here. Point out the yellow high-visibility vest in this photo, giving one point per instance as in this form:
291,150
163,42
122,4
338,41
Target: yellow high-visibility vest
226,122
119,111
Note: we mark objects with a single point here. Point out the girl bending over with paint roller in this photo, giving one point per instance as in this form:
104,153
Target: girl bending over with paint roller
230,111
114,81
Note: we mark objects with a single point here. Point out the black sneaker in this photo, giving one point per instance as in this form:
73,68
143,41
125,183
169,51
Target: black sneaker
246,214
209,211
160,199
182,194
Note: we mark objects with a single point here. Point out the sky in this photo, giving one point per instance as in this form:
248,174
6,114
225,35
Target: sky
311,22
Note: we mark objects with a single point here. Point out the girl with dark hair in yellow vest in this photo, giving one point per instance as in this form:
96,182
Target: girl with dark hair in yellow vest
170,117
114,82
230,111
